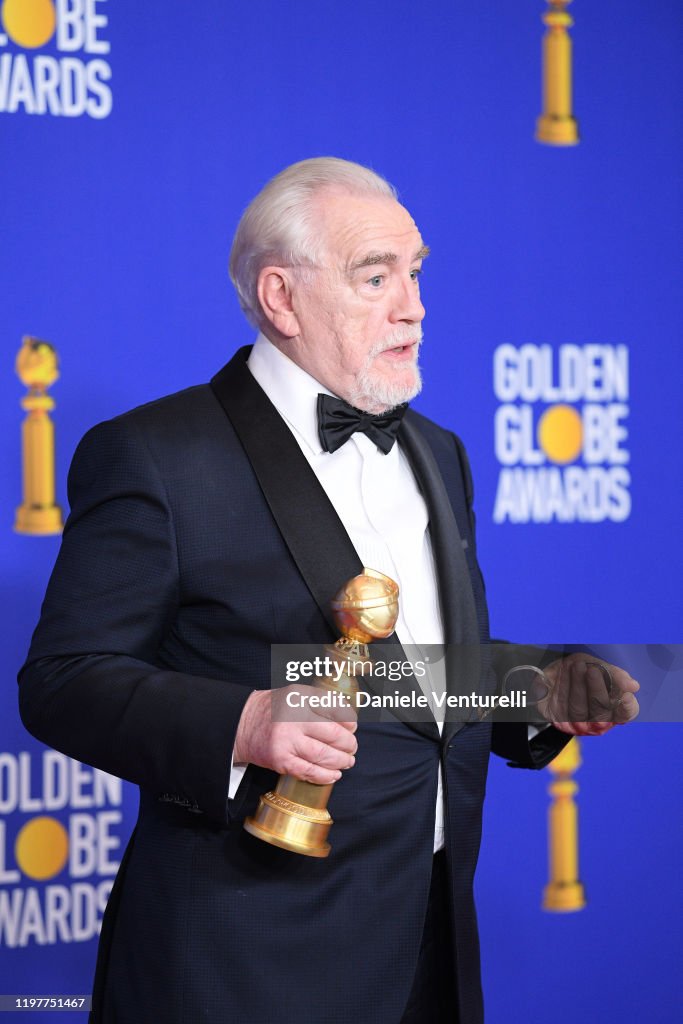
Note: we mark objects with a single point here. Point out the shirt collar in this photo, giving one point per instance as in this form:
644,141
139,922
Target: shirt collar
293,392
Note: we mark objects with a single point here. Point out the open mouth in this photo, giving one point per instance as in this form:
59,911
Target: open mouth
400,350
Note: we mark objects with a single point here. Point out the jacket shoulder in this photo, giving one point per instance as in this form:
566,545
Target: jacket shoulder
180,420
170,438
191,404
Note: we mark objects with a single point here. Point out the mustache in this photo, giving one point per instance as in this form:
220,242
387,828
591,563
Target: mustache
405,335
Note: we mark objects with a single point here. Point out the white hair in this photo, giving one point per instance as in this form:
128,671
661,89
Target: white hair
279,225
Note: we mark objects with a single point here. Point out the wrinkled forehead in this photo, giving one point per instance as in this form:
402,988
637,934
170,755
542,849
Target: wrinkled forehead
353,227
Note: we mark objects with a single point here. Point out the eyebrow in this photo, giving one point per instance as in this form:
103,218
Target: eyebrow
375,258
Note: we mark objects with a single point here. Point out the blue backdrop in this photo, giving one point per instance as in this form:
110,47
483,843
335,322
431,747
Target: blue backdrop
132,137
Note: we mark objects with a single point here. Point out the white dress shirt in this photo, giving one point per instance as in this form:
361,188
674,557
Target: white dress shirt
378,501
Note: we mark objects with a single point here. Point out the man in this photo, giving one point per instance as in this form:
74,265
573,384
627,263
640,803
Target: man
213,523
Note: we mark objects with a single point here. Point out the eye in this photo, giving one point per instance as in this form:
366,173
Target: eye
415,274
376,281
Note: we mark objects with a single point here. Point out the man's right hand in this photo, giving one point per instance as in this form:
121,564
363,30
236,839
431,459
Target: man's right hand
315,750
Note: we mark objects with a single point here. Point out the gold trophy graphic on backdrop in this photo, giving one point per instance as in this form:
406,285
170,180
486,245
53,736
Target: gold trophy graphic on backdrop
37,369
556,125
294,815
564,891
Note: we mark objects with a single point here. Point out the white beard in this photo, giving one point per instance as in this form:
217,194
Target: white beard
373,392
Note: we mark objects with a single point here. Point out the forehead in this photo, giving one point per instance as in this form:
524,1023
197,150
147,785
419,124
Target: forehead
354,226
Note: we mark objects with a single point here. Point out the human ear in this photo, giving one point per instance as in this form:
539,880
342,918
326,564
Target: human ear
275,297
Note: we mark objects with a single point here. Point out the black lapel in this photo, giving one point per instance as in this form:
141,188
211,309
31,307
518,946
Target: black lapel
306,518
458,608
310,526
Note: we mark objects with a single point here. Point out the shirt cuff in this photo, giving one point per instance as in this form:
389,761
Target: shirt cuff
532,731
236,775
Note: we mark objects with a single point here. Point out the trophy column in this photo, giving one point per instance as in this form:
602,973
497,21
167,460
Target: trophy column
556,125
564,891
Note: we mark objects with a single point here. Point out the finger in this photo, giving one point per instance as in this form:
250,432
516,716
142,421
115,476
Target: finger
584,728
350,724
298,703
598,689
345,714
599,728
577,693
621,679
626,710
570,728
593,728
568,698
308,772
333,734
622,682
323,755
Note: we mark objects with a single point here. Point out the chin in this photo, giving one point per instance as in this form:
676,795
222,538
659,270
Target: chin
376,393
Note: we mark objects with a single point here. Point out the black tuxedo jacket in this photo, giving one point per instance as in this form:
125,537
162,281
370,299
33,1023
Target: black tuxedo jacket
199,536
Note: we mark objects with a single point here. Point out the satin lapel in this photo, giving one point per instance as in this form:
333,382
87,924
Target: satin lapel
311,528
458,607
307,520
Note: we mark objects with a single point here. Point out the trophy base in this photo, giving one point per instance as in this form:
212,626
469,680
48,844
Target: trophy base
39,520
557,130
564,896
290,826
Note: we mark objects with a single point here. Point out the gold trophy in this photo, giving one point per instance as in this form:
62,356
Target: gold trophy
556,126
37,369
294,815
564,891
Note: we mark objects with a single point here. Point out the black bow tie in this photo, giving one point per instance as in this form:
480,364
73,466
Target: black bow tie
337,420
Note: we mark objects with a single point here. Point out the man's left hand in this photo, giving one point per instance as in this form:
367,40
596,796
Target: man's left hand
582,701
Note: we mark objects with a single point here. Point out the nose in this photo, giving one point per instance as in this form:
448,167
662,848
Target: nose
407,305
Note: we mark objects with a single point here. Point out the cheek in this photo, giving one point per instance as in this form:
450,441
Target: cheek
349,324
361,334
356,324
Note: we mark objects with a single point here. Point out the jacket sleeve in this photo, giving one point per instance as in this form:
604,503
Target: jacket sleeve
93,685
511,740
